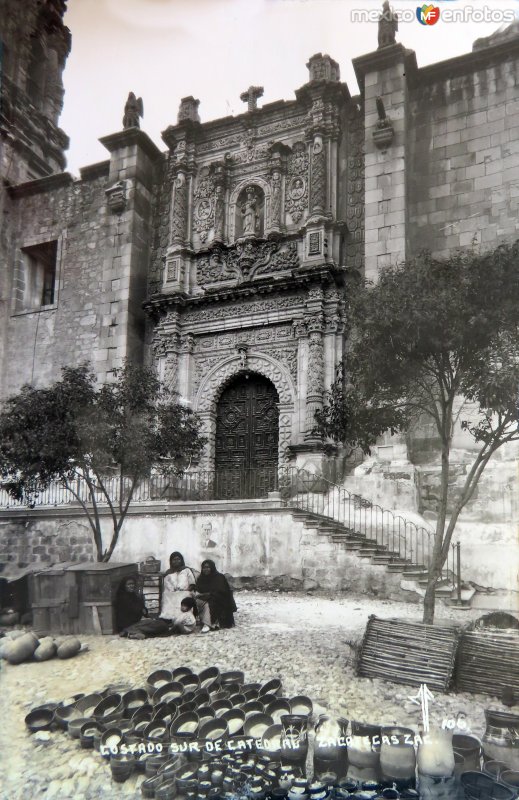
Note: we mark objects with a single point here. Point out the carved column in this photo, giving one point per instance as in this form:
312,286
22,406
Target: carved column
278,165
315,385
318,163
178,227
219,202
301,333
185,369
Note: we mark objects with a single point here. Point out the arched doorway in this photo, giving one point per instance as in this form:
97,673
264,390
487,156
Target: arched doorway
247,432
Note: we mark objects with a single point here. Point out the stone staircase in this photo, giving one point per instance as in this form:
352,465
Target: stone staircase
369,551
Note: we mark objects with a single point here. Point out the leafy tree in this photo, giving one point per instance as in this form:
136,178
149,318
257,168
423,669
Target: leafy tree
109,437
431,334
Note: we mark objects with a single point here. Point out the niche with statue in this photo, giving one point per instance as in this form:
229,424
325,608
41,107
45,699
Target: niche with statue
250,213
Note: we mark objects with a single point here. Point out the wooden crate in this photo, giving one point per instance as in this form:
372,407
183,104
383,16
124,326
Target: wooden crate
98,583
77,597
151,588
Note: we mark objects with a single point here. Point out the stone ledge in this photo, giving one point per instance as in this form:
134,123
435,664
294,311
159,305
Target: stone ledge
47,184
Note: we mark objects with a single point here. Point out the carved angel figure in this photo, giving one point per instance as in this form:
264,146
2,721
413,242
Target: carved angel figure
387,25
132,111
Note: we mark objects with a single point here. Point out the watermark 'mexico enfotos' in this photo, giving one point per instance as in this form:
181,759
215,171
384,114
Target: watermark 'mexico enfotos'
429,14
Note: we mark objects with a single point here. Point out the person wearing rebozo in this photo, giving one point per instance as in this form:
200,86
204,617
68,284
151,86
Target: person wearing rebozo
183,623
129,604
214,598
178,582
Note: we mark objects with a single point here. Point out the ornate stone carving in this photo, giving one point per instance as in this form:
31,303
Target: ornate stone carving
219,213
237,310
300,330
354,255
245,260
323,68
387,25
171,371
187,343
179,213
222,143
158,346
116,197
204,205
315,384
188,110
296,199
275,201
318,185
132,111
249,212
209,389
251,97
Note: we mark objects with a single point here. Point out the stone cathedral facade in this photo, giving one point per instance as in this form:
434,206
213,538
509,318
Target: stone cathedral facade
225,256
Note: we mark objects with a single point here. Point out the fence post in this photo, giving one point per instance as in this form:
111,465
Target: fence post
458,569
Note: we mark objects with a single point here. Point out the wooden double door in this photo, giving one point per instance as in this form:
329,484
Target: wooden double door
247,432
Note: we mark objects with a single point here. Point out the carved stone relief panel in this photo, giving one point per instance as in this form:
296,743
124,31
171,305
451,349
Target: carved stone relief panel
203,204
232,310
245,260
355,187
296,196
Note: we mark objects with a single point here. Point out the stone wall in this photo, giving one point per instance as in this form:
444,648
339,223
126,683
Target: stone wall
463,176
259,549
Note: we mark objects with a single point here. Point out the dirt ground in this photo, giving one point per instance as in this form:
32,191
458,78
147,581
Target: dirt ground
307,641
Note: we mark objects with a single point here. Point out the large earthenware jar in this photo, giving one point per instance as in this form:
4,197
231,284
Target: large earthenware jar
397,756
435,759
468,749
330,746
501,738
364,752
294,738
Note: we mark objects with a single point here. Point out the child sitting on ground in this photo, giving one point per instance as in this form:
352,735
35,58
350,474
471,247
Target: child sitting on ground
183,623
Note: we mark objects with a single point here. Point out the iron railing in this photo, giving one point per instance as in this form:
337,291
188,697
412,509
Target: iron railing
384,531
387,533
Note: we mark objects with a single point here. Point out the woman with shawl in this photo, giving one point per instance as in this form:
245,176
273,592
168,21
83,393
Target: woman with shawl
215,599
129,604
178,582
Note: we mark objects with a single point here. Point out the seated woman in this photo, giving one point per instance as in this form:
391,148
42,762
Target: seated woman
179,580
214,598
183,623
129,604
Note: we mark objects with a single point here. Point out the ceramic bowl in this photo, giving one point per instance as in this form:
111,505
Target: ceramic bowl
75,725
221,706
237,699
273,686
112,738
214,729
180,672
235,719
110,706
208,677
301,705
168,692
64,714
135,699
235,676
190,682
156,731
39,719
271,740
256,725
157,679
253,707
205,713
88,704
185,724
278,708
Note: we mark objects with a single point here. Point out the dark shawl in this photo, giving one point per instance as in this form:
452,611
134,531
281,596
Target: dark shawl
221,599
183,565
129,607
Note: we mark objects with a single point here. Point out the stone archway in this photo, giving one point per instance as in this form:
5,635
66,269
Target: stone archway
217,378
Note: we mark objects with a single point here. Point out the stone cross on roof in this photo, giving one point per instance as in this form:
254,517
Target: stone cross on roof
251,97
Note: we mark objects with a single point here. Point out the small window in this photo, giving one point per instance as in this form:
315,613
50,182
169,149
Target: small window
37,277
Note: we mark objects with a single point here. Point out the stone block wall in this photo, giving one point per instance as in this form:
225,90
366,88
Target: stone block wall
463,175
42,541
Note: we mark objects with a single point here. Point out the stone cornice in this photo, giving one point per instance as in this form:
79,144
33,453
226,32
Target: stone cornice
47,184
93,171
384,58
303,276
466,63
129,138
327,90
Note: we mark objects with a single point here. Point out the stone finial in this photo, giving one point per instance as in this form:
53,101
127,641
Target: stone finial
251,97
387,25
188,109
132,111
323,68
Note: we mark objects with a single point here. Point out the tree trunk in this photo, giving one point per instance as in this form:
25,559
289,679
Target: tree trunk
429,601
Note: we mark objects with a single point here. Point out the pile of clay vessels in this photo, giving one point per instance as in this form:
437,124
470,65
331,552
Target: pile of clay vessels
212,736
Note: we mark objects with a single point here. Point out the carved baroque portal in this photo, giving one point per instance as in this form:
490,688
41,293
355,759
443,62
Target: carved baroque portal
246,260
296,199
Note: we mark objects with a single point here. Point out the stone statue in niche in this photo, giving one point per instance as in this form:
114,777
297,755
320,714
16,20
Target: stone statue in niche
387,25
132,111
249,213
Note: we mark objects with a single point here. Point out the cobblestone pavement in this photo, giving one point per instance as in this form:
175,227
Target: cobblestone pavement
305,640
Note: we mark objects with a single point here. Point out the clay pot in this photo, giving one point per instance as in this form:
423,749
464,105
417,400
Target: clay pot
501,738
135,699
272,741
294,742
273,686
39,719
121,767
214,729
301,705
256,725
110,706
158,679
397,759
208,677
469,748
328,732
150,786
364,751
112,739
168,692
278,708
235,719
235,676
181,672
476,785
87,734
75,725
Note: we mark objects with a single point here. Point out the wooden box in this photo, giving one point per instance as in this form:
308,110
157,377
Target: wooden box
76,598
